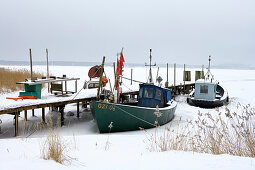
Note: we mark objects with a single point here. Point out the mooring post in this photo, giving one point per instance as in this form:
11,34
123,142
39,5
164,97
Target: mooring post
48,74
25,115
175,78
66,87
33,112
203,77
166,84
43,115
184,78
62,88
131,76
78,110
114,72
101,74
16,123
31,64
75,86
61,110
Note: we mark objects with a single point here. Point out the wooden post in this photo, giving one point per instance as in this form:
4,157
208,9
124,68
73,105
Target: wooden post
166,84
78,110
75,86
167,72
33,112
101,73
110,85
114,74
61,110
16,123
184,79
48,73
66,87
175,77
51,88
131,76
157,74
43,115
203,77
62,87
25,115
31,65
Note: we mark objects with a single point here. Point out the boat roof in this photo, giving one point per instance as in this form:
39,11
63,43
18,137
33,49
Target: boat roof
152,85
203,81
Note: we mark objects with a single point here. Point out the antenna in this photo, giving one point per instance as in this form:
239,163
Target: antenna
150,73
208,74
209,63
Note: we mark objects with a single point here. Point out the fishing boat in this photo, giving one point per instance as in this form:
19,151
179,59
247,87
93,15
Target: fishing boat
208,93
154,107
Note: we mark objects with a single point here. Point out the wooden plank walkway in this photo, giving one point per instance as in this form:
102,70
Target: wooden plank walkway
176,90
52,104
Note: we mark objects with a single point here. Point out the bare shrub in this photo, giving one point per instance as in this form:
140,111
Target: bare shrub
224,133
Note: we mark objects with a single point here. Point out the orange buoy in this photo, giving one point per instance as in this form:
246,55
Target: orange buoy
94,71
104,81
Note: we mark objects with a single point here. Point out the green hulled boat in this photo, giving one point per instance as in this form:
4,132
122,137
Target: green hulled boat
154,107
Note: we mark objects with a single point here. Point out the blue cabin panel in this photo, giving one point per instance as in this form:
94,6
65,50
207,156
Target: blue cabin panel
168,96
152,96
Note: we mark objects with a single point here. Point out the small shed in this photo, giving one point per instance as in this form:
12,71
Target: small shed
205,90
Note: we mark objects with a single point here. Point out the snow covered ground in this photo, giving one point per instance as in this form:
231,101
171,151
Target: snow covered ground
126,150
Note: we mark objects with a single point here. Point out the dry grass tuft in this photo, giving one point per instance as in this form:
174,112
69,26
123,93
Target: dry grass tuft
55,147
224,133
8,79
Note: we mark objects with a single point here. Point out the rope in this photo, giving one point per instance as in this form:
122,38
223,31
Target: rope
126,87
132,80
135,116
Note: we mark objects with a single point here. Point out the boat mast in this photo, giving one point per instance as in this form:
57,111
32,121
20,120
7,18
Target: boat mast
150,73
209,74
209,63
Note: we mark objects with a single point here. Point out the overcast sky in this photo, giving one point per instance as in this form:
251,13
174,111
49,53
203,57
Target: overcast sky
178,31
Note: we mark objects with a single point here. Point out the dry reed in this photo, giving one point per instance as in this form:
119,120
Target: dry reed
55,147
224,133
8,79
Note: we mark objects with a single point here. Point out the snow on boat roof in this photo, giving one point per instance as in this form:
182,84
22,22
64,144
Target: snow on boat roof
206,81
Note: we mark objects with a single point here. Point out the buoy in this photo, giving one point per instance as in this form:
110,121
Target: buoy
94,71
104,81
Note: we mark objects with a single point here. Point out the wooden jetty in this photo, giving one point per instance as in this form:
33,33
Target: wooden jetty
60,105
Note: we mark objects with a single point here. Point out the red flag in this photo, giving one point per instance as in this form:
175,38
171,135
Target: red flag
119,68
122,59
116,84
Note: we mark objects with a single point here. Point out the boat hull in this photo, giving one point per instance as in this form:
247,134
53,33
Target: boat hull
128,117
218,102
206,103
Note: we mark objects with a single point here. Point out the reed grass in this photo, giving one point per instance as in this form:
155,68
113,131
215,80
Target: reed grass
56,147
8,79
228,132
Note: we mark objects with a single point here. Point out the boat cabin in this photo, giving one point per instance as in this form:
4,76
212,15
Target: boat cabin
205,90
152,96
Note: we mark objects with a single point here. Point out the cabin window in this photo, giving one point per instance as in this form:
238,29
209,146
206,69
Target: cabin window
148,92
158,94
204,89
